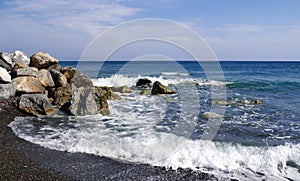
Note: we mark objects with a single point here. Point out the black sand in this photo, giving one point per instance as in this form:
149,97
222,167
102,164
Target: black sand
21,160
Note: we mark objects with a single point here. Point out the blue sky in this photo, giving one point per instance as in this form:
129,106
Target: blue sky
235,29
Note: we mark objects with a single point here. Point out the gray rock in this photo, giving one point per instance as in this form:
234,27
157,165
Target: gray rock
42,60
36,104
158,88
122,89
81,80
55,67
45,78
28,71
59,79
143,83
62,97
16,67
28,85
20,57
5,61
7,90
4,76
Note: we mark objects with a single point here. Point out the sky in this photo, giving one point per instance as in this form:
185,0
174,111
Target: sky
234,29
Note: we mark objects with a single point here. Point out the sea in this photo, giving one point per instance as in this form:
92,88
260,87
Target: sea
238,121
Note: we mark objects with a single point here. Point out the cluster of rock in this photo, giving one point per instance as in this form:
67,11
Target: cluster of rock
43,85
156,89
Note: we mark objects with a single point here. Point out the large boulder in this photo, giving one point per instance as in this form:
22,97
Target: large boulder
28,85
79,79
42,60
158,88
20,57
36,104
87,101
4,76
143,82
59,79
16,67
5,60
45,78
68,72
55,67
27,71
7,90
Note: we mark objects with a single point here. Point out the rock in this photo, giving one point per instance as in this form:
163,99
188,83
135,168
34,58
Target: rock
221,102
158,88
115,97
86,102
45,78
59,79
212,115
55,67
145,92
28,71
28,85
122,89
101,100
68,72
81,80
16,67
4,76
62,97
36,104
107,92
253,102
6,61
143,83
20,57
7,90
42,60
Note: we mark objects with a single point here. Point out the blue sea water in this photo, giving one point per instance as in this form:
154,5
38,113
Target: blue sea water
259,135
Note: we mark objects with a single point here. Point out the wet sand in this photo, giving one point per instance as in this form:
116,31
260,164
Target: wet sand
21,160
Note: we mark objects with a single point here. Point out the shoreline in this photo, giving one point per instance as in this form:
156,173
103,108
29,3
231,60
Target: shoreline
27,161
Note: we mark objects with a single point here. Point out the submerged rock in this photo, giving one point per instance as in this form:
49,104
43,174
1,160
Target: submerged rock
20,57
221,102
28,85
253,102
122,89
27,71
42,60
143,83
158,88
45,78
59,79
7,90
4,76
36,104
212,115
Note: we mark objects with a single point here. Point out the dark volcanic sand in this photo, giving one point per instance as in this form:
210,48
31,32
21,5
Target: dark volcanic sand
21,160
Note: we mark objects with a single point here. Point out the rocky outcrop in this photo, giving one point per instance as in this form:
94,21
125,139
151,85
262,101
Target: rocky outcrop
59,79
45,78
143,83
158,88
20,57
27,71
42,60
36,104
4,76
7,90
29,85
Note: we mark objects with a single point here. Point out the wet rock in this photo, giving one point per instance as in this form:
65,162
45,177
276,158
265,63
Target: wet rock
28,85
102,101
20,57
211,115
45,78
143,83
86,102
7,90
107,92
59,79
68,72
145,92
221,102
249,102
27,71
4,76
81,80
122,89
36,104
42,60
62,97
158,88
6,61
